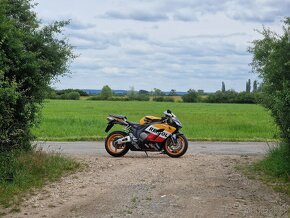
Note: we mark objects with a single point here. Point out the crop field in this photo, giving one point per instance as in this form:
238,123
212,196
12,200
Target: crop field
86,120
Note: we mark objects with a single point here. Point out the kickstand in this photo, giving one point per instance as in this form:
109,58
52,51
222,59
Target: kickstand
146,153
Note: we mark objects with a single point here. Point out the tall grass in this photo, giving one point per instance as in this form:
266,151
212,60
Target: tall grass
86,120
276,162
20,171
274,169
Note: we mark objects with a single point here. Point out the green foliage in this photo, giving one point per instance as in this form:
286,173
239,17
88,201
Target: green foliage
255,86
231,96
277,162
191,96
163,99
106,92
99,98
65,91
271,61
142,97
223,87
248,86
157,92
172,92
20,171
143,92
71,96
30,57
132,93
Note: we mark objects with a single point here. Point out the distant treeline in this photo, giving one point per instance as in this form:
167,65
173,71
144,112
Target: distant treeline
66,94
222,96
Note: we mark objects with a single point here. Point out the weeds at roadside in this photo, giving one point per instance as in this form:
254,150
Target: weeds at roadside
273,170
22,171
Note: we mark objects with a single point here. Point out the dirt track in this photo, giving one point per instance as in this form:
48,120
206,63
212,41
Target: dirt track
199,185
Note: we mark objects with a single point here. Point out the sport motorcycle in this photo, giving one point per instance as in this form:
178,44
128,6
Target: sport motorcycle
152,134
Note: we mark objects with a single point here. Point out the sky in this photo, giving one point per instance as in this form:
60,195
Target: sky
165,44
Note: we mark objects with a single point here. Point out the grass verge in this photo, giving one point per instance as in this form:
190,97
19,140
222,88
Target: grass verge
274,169
21,171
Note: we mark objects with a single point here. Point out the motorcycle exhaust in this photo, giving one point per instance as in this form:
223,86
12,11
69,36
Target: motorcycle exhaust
123,140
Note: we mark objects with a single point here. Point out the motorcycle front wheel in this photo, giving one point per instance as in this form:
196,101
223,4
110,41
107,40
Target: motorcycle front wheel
177,149
116,151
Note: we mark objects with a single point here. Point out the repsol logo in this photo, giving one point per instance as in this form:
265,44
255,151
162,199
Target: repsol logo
152,129
164,134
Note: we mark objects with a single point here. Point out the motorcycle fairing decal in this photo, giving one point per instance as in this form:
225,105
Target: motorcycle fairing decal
159,132
166,127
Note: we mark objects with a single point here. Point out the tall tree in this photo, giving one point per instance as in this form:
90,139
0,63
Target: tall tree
248,86
157,92
106,92
31,56
271,61
172,92
255,86
223,87
191,96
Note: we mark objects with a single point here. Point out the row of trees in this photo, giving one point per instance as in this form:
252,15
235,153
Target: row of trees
256,87
223,96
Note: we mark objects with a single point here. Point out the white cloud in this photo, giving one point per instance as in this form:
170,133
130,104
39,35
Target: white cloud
167,44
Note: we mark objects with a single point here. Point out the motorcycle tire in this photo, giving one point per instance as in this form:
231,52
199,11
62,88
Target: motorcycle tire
172,153
113,151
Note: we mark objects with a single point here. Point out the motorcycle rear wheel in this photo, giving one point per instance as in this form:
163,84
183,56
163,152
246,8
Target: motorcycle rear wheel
178,149
111,149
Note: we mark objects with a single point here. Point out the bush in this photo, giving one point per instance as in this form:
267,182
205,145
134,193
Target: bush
163,99
118,99
72,96
100,98
233,97
191,96
142,97
32,55
13,132
68,96
66,91
106,92
271,62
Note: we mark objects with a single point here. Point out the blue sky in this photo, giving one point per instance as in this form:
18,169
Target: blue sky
166,44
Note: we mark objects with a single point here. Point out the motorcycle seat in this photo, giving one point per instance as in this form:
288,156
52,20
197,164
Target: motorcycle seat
133,124
118,116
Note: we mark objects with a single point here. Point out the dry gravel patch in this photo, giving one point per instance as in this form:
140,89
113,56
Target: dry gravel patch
158,186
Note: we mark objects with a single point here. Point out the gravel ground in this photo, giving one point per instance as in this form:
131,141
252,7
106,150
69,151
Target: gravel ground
196,185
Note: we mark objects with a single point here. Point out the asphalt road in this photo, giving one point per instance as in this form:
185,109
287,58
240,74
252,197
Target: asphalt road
97,148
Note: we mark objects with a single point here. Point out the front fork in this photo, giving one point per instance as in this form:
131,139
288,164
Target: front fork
174,138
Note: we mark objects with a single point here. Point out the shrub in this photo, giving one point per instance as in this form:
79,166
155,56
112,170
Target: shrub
271,62
233,97
72,96
191,96
32,55
163,99
106,92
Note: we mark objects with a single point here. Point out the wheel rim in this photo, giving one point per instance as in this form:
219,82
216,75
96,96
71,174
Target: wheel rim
175,149
110,143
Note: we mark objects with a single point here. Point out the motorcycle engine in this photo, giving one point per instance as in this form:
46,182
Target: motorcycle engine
143,136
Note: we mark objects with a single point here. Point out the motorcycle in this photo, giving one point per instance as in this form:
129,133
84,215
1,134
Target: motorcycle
152,134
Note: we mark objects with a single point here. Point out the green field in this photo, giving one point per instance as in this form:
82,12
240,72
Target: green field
86,120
